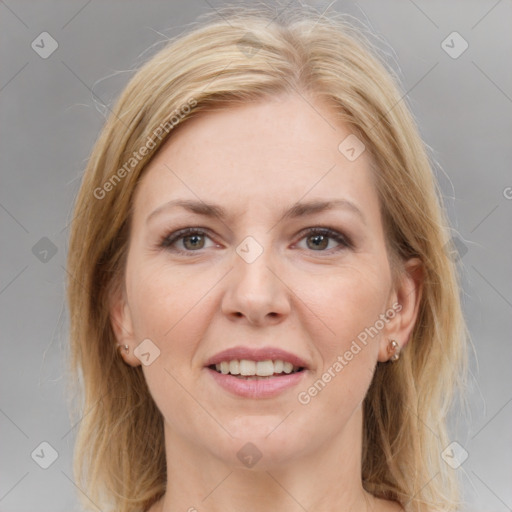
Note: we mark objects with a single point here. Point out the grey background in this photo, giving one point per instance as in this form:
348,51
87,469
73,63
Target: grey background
52,111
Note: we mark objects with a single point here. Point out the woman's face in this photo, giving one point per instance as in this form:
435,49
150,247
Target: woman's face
266,268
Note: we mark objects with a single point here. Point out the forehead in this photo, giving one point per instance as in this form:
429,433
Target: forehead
259,156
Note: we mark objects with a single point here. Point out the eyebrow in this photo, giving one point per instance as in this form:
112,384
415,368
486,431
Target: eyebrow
296,211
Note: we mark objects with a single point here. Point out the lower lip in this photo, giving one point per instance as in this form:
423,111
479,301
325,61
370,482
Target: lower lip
260,388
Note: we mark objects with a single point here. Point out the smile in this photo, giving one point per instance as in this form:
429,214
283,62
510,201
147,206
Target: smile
252,385
252,370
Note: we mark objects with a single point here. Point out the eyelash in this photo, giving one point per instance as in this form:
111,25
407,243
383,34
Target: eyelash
168,240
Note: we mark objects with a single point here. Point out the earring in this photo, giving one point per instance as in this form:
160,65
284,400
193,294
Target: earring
126,347
393,350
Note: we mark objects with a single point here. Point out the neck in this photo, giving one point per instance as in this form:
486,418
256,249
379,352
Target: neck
327,479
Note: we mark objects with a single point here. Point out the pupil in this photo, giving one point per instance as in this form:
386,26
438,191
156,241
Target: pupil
323,241
195,237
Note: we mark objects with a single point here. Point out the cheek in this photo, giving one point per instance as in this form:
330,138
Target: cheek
351,354
166,305
348,357
348,301
348,347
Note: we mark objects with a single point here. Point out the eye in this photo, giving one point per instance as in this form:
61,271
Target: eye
192,239
319,239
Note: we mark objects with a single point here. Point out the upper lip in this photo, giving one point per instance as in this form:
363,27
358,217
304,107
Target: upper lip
256,354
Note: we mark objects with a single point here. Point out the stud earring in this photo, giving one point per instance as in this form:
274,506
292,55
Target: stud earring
393,350
125,347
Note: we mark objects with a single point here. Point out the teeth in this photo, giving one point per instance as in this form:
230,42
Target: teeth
253,369
264,368
247,367
288,367
234,367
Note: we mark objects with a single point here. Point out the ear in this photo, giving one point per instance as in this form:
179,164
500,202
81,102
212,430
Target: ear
122,325
404,303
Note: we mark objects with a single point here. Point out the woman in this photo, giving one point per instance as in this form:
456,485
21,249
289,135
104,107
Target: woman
262,308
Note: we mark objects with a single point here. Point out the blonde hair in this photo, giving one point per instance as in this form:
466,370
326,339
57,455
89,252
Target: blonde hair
248,55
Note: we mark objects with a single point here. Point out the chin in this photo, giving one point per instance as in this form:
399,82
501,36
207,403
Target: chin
261,443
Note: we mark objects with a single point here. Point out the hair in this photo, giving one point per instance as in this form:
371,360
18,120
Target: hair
250,55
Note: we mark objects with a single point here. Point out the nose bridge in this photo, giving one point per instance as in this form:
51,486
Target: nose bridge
253,262
255,291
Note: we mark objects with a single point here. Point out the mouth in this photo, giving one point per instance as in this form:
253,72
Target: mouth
256,373
246,369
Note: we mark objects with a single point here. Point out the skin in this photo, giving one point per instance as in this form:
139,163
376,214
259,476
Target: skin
255,161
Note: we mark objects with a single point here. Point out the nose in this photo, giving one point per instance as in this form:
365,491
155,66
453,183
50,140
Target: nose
256,291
